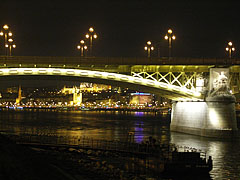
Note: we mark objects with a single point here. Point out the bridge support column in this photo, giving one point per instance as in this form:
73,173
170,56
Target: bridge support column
209,118
214,117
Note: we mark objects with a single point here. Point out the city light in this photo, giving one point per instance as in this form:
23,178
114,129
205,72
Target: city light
91,35
230,49
82,47
190,94
148,48
5,27
169,36
91,29
8,40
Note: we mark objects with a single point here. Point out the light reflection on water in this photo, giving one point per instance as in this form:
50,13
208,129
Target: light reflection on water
226,156
109,125
138,129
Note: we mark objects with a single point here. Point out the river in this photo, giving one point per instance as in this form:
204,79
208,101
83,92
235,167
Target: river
116,125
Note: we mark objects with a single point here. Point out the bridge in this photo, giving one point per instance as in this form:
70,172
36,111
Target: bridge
175,78
207,111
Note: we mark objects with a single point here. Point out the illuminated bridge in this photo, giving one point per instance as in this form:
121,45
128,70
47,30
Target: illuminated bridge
175,78
201,88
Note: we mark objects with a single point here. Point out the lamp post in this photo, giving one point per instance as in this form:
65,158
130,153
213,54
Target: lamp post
10,45
91,35
169,36
149,48
230,49
82,47
6,33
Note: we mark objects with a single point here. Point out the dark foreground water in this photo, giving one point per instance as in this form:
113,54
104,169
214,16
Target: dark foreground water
102,125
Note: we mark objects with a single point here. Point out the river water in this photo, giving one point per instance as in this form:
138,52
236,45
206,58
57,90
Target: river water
116,125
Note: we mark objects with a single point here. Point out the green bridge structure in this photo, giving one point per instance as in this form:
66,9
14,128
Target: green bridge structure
202,89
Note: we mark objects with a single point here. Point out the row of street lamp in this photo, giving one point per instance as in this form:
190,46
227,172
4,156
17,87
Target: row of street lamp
170,37
82,47
8,40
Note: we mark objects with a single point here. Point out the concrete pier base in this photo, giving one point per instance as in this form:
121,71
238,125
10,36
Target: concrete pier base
216,117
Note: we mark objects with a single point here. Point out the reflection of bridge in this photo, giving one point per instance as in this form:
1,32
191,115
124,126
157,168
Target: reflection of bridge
179,79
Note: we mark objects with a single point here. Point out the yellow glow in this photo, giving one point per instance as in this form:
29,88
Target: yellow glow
82,41
10,34
1,33
170,31
169,86
145,48
6,45
149,42
227,49
200,82
91,29
14,46
166,37
10,40
214,117
87,35
101,75
95,36
230,43
5,27
198,94
85,47
173,37
79,47
233,49
152,48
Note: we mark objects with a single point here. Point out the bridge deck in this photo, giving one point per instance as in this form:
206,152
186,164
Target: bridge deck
116,60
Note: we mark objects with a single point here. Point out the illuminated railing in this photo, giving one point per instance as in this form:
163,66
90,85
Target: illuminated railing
116,60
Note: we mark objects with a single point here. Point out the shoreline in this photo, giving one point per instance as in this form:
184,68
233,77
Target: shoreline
24,162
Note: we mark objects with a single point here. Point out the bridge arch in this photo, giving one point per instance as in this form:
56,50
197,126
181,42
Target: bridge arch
121,80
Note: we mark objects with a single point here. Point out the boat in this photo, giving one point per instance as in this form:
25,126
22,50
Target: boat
186,162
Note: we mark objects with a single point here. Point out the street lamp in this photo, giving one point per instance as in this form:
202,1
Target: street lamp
149,48
82,47
169,36
6,33
91,35
10,45
230,49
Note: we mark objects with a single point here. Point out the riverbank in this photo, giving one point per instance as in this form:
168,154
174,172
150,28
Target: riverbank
20,162
17,162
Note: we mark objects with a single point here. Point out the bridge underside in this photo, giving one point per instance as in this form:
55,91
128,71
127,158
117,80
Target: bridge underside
59,81
17,76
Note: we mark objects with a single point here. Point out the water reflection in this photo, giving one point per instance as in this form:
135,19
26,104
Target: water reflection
225,154
139,135
109,125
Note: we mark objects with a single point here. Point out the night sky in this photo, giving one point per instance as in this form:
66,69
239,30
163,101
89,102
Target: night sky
53,28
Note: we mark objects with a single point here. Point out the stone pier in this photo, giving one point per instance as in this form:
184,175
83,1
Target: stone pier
209,118
213,117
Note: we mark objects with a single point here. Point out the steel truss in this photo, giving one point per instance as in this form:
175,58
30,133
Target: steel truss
181,79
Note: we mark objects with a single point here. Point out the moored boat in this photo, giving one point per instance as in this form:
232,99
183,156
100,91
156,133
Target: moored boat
186,163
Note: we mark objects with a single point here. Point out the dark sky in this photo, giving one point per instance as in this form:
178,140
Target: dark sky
53,28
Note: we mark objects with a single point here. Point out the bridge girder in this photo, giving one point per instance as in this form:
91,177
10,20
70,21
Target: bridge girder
170,91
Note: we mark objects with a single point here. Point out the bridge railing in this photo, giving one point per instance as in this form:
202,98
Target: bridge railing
146,148
115,60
